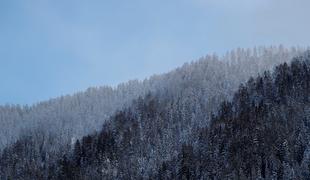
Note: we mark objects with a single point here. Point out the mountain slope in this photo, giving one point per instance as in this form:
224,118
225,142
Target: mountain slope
167,137
210,80
263,133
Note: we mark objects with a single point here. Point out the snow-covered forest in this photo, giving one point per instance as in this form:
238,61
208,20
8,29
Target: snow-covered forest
214,78
238,116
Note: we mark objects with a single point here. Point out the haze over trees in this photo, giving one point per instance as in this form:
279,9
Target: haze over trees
195,122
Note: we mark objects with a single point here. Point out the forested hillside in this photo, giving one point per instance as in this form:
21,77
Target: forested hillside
263,133
196,122
210,80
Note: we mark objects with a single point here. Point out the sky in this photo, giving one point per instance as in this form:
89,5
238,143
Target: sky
50,48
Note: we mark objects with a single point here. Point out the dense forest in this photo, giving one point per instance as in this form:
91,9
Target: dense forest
235,117
211,78
263,133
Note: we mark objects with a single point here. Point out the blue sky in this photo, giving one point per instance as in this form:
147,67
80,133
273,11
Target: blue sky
50,48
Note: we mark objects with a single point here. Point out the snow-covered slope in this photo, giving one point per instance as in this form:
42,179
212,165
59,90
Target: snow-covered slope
211,79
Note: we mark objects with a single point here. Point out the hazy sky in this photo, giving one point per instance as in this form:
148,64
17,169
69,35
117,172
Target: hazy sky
54,47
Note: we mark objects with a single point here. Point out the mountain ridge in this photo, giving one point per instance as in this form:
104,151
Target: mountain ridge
66,115
177,138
